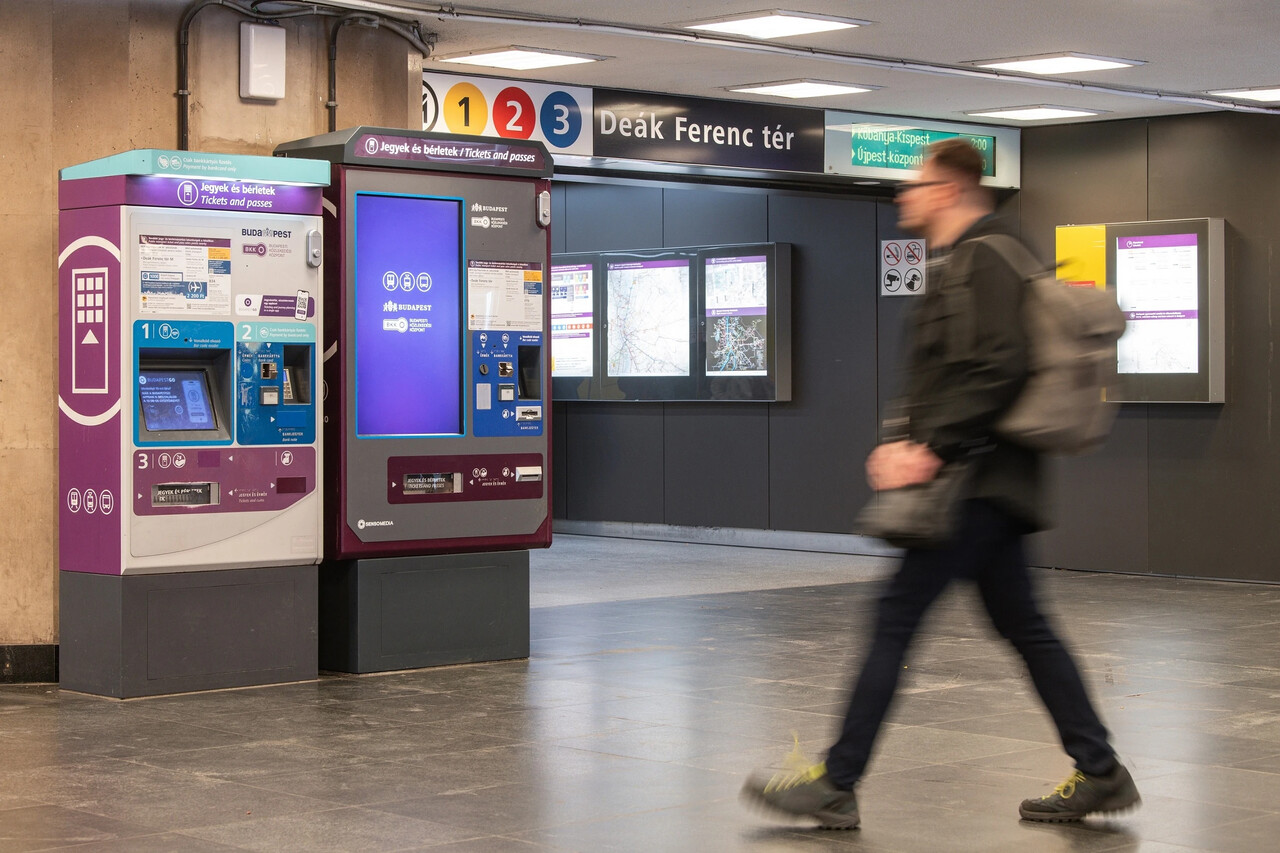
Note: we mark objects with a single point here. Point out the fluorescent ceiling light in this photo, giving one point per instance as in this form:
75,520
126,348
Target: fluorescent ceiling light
1269,94
517,58
775,24
1057,63
1037,113
802,89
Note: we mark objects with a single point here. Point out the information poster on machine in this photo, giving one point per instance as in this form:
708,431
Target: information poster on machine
504,296
737,306
408,330
184,274
572,320
1156,286
648,315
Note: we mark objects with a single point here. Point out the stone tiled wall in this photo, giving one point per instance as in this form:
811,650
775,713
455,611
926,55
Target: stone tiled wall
81,79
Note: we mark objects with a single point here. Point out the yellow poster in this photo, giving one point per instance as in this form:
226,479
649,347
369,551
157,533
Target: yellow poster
1082,255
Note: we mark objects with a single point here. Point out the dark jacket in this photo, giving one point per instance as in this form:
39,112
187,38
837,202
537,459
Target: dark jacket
955,394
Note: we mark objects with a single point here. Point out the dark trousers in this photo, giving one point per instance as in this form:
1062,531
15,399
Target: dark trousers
988,550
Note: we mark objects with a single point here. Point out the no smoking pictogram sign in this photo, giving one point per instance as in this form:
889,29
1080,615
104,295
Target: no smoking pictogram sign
902,270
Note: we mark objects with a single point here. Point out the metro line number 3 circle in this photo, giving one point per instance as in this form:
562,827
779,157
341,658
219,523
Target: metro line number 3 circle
515,116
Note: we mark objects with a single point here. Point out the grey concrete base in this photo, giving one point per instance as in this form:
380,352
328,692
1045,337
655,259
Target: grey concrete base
781,540
147,635
411,612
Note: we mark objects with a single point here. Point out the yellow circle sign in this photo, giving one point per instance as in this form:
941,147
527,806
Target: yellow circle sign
466,110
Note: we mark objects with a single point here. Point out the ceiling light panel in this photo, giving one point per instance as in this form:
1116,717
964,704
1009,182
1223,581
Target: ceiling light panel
1057,63
1041,112
775,24
802,89
519,58
1270,94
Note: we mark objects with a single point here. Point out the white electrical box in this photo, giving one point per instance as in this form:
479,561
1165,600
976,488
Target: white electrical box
261,61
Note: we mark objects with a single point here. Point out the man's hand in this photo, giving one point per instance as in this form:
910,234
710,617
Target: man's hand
901,463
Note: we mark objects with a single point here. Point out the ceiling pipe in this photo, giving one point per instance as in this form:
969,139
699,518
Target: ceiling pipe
493,16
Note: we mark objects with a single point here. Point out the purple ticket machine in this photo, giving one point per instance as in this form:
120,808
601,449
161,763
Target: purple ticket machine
437,413
189,462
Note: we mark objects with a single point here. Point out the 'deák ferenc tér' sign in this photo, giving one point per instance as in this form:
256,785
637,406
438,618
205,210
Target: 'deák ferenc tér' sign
705,132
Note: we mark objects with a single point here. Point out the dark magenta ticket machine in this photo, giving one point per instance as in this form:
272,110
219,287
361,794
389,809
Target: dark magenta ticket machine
189,420
439,395
437,367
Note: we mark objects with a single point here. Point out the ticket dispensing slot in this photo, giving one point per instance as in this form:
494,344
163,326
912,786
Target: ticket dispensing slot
180,396
296,390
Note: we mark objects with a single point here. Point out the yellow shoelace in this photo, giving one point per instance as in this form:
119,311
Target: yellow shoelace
783,781
1068,788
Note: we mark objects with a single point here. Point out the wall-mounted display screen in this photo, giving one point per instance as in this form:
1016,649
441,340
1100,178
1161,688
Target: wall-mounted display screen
691,323
175,400
1169,278
408,301
572,319
648,317
737,314
1156,285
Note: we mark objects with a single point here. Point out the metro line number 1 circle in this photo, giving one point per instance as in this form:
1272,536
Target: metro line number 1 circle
466,110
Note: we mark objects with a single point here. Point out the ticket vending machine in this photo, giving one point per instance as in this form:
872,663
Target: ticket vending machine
189,462
438,376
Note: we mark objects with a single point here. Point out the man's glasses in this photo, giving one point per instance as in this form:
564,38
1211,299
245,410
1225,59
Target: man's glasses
904,188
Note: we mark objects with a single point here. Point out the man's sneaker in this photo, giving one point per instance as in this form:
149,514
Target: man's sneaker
809,793
1083,794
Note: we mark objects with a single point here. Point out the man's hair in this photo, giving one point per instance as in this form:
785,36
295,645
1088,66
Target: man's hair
959,157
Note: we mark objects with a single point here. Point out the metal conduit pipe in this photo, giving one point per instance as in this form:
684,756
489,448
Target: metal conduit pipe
449,11
410,31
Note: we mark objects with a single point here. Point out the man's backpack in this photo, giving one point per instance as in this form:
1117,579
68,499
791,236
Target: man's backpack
1071,336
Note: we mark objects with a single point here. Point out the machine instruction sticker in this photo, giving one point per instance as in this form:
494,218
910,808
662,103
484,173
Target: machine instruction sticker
184,274
504,295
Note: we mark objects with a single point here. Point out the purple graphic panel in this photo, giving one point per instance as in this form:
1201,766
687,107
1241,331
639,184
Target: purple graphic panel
89,305
191,193
1156,241
384,146
408,315
176,480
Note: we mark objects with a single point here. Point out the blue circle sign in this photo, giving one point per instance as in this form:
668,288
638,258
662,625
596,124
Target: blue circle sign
561,119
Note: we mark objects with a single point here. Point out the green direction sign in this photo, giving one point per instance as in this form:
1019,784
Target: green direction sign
884,146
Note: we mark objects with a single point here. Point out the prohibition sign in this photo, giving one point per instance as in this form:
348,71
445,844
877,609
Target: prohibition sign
915,253
892,254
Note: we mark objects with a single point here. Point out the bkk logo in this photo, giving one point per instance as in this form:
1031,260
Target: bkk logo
259,249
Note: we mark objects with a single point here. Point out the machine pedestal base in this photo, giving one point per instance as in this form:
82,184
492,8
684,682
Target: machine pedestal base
411,612
147,635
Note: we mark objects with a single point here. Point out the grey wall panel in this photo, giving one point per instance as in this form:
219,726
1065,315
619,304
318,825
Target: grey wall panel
716,471
699,217
1214,469
1081,173
558,229
817,442
1076,174
1098,504
603,217
892,315
616,464
716,467
559,460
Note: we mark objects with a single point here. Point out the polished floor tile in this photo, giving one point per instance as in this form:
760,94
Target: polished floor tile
662,674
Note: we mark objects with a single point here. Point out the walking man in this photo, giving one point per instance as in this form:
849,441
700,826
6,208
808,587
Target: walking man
951,407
